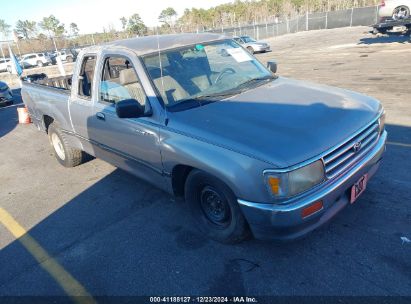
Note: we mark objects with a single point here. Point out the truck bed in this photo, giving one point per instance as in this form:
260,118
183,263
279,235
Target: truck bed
47,97
60,82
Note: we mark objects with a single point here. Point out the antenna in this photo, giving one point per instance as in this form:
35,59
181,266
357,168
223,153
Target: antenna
161,71
160,62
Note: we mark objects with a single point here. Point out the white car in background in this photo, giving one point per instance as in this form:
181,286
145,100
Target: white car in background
4,64
35,59
65,56
252,45
394,9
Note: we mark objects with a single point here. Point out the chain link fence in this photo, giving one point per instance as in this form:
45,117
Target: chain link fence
363,16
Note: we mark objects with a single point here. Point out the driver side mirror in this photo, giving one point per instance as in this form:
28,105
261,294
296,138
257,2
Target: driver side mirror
272,66
129,108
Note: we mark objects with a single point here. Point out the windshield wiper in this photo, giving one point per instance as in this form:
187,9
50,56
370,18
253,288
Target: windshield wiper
213,96
201,100
255,80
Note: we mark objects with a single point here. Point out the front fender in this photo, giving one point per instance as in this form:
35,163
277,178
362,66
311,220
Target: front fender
242,173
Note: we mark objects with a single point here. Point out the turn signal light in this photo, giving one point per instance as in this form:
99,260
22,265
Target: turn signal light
274,183
317,206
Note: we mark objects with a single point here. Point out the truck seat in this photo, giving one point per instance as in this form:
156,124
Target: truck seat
170,89
128,79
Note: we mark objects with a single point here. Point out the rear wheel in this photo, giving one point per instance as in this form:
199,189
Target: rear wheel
250,49
66,155
401,12
215,208
69,59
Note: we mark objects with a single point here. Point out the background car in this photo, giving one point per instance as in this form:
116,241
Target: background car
394,9
252,45
35,59
52,55
3,64
65,55
6,96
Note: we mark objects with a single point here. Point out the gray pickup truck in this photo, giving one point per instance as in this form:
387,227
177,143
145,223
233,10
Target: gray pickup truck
198,116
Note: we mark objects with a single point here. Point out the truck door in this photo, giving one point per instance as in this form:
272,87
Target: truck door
81,103
129,143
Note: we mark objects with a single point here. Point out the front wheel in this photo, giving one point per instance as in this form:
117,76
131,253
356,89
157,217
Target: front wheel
40,64
66,155
215,208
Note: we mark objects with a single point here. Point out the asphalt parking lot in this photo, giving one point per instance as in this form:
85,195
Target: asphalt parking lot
113,234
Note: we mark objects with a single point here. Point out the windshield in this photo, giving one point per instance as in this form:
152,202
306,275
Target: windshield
248,39
204,71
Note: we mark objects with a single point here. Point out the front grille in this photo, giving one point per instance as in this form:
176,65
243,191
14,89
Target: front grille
346,154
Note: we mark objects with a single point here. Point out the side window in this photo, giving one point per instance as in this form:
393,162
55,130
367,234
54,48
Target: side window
238,40
119,81
85,84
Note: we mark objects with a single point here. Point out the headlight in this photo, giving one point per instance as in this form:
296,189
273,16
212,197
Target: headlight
381,122
287,184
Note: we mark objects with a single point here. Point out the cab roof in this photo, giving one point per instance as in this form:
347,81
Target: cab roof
149,44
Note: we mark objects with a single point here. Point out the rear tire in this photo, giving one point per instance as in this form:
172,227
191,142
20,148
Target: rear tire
215,209
69,59
65,155
250,49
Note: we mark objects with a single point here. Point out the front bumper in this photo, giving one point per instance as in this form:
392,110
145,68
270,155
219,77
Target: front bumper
284,222
262,48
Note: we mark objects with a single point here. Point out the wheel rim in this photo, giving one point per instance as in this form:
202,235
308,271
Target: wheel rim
58,146
215,207
401,13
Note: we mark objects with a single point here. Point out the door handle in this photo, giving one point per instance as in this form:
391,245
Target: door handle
101,116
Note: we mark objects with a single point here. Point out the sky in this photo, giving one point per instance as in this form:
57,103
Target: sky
92,15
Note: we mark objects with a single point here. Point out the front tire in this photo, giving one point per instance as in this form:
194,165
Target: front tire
215,209
40,64
65,155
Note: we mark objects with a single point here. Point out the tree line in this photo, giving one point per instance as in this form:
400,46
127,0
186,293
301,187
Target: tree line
259,11
35,36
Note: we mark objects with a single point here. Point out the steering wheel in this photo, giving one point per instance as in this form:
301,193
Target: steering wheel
224,71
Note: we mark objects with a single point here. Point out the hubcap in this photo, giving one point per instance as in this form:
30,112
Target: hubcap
401,13
214,206
58,146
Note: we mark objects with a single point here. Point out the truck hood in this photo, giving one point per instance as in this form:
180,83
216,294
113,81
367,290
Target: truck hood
283,123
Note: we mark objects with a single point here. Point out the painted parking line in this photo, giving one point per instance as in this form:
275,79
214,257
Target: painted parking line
64,279
392,143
